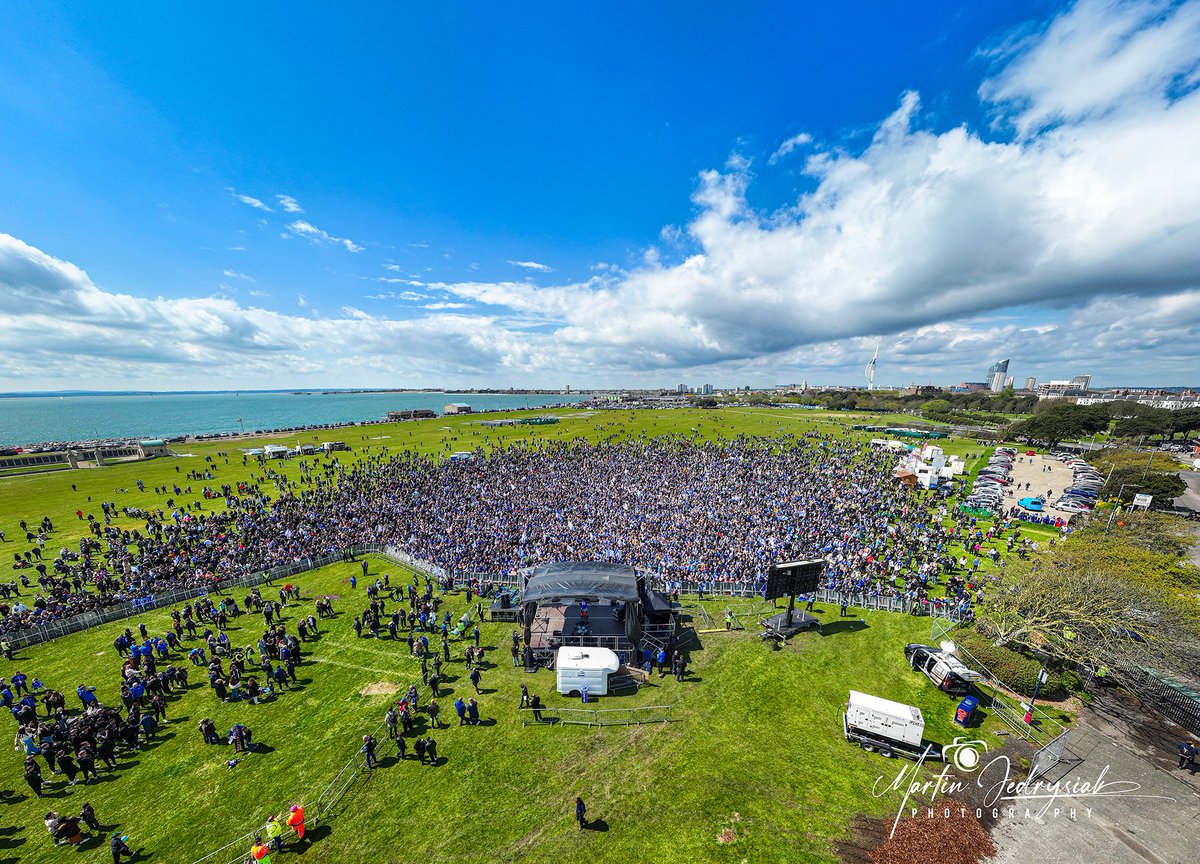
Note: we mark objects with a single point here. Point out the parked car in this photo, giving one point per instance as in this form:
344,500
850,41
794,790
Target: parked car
945,670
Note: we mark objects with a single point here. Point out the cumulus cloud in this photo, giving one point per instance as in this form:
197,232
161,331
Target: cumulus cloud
307,230
531,265
1066,234
289,204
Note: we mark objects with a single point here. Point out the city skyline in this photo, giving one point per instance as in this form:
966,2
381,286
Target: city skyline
400,199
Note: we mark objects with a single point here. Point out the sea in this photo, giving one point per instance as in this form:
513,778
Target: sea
27,420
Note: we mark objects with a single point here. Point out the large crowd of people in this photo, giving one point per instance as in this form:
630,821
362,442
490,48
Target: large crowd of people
685,510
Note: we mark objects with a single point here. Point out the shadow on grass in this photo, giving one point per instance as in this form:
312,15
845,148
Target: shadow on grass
595,825
845,625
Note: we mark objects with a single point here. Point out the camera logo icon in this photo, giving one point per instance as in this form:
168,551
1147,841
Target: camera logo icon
965,754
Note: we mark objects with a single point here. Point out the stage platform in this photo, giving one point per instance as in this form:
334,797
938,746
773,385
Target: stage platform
555,626
499,612
800,621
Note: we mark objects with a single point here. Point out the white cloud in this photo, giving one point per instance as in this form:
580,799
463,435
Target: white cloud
253,202
531,265
408,296
301,300
1097,58
233,274
301,228
1081,216
789,145
289,204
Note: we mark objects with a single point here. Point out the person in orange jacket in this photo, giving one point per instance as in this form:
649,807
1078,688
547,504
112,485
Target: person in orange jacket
260,852
295,820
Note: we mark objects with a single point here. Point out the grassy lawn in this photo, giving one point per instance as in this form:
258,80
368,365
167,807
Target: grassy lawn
757,747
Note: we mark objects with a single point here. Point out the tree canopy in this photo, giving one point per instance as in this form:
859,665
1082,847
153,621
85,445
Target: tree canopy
1126,600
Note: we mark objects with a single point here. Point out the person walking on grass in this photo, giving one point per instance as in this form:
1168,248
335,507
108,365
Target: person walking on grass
580,813
368,750
118,848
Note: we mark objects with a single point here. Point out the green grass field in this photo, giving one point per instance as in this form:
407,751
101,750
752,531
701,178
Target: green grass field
757,746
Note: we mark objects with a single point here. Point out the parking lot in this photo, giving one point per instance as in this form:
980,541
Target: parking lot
1046,477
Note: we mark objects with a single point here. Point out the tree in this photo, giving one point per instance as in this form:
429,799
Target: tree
1057,423
1101,600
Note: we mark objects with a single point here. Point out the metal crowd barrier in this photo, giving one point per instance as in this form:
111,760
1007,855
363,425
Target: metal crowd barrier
596,716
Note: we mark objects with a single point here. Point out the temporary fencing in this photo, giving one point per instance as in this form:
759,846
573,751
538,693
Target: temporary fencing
596,716
320,810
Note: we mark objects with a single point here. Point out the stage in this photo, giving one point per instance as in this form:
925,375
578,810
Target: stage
562,624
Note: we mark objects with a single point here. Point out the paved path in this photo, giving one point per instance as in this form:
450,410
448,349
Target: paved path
1119,742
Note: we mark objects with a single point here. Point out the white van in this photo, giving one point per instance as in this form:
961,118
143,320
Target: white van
585,667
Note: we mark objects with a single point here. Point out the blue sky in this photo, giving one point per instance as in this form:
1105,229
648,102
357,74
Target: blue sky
523,194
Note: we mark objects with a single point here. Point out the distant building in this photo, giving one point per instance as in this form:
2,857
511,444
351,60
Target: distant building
682,388
1081,382
997,375
457,408
1030,383
708,389
152,447
1157,399
411,414
1008,382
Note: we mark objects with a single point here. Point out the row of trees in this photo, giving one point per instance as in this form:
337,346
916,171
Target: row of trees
1056,421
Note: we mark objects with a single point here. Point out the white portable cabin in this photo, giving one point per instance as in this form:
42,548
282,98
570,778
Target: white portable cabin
275,451
585,667
885,718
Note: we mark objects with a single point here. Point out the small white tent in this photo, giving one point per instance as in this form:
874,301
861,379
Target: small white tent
585,667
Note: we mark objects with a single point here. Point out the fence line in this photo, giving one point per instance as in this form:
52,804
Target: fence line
322,806
512,581
598,716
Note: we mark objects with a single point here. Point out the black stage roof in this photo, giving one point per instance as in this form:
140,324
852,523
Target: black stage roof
575,579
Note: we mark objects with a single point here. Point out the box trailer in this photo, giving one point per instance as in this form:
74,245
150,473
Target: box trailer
585,667
890,727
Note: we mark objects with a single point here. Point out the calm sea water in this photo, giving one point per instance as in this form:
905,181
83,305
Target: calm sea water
34,419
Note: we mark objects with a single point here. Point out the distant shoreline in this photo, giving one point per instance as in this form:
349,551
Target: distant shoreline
67,394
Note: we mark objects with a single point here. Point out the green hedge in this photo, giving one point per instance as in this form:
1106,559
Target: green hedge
1018,671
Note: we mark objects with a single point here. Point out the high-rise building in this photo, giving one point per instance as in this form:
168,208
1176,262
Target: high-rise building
682,388
1081,382
1008,381
1030,383
707,389
996,376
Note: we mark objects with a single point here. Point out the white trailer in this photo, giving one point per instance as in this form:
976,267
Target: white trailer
890,727
585,667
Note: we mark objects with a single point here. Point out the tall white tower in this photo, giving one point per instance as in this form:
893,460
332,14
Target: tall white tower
870,371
